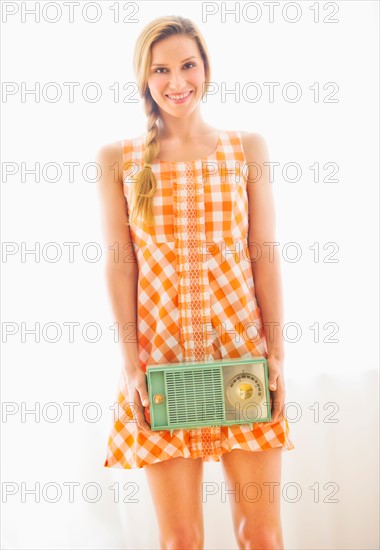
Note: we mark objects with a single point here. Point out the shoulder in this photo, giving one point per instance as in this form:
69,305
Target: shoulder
110,161
254,145
111,157
110,152
117,148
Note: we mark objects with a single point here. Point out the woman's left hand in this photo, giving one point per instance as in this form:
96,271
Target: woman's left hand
276,388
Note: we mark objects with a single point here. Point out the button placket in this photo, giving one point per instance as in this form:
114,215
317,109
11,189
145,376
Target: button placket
193,287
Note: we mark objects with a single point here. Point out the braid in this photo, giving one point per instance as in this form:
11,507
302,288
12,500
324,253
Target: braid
145,185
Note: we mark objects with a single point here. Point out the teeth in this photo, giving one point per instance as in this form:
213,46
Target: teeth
179,96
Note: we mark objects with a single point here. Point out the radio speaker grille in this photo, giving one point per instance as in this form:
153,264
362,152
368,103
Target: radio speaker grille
195,395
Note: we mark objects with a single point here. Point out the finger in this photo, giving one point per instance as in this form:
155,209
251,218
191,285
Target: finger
275,410
143,396
278,410
142,423
141,399
272,382
145,427
139,414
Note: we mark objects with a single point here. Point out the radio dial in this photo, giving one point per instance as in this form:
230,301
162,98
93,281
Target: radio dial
245,391
244,387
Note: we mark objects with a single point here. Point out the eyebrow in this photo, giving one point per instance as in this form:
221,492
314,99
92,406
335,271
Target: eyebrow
164,64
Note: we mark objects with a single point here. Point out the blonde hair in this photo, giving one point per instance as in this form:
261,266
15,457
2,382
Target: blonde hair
145,185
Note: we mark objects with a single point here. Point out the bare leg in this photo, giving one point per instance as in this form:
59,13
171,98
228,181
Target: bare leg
176,489
256,477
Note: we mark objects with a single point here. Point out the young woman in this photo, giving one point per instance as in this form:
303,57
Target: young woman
181,187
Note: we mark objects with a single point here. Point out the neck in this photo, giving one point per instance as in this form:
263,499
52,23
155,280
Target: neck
181,129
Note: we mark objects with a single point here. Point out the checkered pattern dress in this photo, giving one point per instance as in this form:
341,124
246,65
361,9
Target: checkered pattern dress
196,297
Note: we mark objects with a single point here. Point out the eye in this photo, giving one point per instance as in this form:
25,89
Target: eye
164,69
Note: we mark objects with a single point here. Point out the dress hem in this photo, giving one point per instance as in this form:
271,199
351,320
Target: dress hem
288,446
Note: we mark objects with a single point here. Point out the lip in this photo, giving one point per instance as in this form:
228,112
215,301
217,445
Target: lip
180,100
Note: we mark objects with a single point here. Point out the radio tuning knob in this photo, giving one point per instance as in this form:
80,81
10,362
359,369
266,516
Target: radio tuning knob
158,399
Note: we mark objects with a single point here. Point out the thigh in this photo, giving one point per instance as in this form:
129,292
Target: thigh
254,481
176,489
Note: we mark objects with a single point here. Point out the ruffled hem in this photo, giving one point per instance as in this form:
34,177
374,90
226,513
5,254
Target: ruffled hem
137,450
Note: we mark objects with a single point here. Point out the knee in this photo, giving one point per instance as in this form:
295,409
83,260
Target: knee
263,537
185,537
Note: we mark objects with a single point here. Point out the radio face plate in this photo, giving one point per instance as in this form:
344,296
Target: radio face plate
245,392
211,393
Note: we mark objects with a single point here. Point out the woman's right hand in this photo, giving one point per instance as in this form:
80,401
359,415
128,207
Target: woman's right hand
138,396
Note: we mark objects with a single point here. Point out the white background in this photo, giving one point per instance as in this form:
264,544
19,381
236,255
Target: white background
36,290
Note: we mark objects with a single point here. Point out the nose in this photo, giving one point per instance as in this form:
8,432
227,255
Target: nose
176,81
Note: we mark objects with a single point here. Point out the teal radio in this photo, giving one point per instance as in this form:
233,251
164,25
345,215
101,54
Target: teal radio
220,392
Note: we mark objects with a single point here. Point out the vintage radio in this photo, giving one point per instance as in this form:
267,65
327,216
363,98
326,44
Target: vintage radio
220,392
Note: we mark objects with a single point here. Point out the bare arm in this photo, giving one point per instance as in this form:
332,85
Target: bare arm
262,229
121,265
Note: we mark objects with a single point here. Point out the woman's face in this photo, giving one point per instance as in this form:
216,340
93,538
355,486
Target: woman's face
176,70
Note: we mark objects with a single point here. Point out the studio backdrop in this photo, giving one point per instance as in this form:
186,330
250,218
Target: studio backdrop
305,76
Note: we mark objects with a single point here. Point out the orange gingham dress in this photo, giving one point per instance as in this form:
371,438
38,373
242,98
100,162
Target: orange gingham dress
195,298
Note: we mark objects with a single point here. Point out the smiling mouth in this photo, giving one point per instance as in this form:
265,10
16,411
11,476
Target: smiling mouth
179,96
